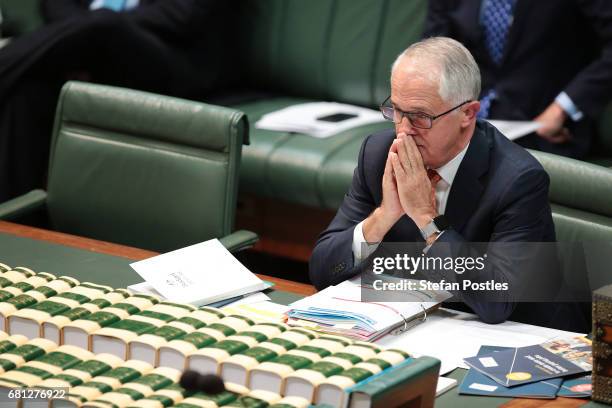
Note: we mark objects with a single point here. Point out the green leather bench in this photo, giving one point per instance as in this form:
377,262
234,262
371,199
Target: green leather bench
582,212
294,51
299,51
338,50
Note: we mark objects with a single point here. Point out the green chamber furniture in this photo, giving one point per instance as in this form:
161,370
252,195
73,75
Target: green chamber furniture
580,196
140,169
332,50
283,52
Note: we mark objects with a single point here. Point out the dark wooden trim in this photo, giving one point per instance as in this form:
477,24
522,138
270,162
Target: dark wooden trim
284,229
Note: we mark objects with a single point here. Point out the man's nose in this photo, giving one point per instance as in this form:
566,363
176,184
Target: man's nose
404,126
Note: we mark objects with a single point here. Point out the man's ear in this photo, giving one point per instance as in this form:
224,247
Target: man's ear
470,110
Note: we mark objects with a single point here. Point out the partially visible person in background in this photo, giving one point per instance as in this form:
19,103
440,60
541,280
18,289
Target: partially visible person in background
549,61
153,45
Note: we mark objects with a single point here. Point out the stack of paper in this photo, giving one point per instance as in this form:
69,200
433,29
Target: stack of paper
339,309
318,119
199,274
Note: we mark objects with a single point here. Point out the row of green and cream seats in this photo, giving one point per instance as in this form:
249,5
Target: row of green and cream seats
346,62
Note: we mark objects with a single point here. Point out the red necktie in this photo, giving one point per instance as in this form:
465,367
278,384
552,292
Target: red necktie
434,177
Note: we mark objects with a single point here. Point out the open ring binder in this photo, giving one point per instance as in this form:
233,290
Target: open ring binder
410,323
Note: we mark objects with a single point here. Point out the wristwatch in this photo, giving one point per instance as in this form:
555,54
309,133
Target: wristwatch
437,225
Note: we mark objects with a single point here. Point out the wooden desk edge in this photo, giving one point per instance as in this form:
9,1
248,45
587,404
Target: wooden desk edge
123,251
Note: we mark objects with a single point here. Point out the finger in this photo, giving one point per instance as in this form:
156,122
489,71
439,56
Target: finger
393,147
388,167
562,136
414,155
400,173
568,135
403,155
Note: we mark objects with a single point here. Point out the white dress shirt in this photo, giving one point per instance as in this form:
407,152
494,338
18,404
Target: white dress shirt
447,175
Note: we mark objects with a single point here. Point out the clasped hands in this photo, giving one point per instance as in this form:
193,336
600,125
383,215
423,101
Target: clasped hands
406,190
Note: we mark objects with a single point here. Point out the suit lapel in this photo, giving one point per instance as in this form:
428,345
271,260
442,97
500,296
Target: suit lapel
467,188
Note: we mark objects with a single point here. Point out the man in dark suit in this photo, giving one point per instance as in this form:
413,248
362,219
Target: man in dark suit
160,46
440,160
545,60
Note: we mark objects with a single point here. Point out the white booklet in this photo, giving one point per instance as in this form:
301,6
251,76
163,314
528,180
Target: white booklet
318,119
199,274
514,129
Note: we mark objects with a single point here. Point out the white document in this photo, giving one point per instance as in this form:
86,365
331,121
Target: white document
309,118
451,336
445,384
514,129
198,274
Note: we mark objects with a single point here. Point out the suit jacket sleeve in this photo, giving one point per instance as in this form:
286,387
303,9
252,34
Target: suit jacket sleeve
591,89
332,258
511,251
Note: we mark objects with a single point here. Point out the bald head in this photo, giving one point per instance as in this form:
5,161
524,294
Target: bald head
444,62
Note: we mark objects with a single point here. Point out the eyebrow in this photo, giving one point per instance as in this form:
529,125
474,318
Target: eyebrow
416,109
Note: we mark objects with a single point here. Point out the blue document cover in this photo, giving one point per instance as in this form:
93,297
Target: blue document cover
579,387
475,383
523,365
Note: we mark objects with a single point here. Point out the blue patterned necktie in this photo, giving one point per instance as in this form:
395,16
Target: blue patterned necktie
496,20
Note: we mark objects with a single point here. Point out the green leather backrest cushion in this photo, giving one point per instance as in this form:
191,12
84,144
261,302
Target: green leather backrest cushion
160,118
582,213
584,241
577,184
143,170
328,49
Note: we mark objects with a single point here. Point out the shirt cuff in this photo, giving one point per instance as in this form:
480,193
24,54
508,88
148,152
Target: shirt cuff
428,247
569,107
360,243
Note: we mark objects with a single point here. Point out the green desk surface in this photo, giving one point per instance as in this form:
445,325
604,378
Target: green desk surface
83,265
114,271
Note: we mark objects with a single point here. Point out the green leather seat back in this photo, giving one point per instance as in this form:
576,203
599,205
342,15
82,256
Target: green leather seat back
582,212
296,167
142,169
339,50
328,49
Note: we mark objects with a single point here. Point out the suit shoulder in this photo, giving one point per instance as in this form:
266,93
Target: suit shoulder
510,155
377,145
